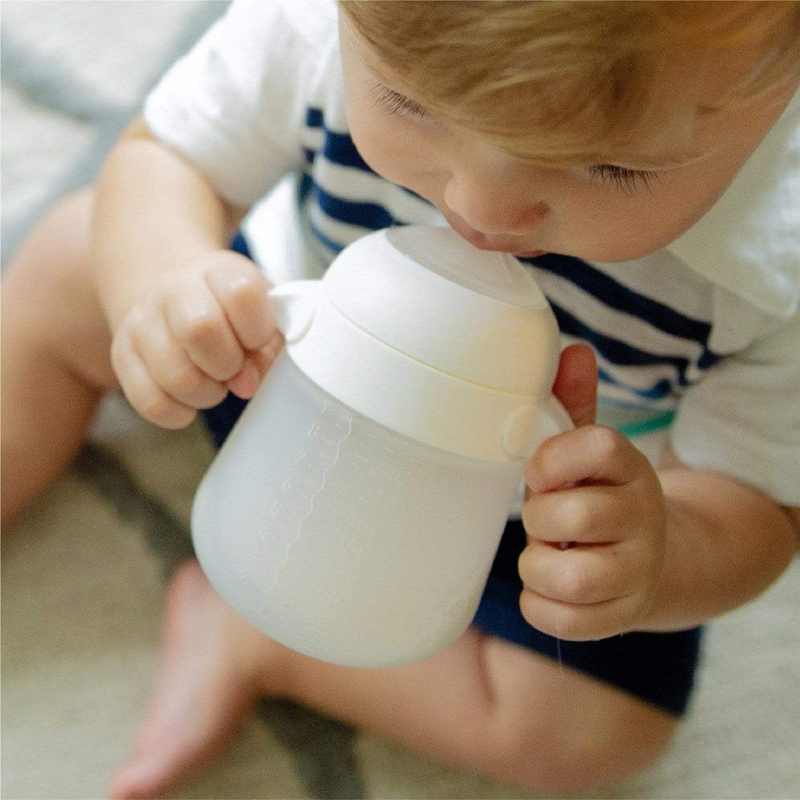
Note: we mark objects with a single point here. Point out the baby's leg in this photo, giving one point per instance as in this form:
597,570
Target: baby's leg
483,703
489,705
56,343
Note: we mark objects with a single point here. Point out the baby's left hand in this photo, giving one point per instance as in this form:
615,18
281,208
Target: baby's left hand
595,516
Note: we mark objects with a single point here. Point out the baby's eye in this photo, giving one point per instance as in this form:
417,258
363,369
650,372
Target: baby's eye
396,103
625,179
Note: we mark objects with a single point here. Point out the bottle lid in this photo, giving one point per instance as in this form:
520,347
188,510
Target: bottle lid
431,295
422,332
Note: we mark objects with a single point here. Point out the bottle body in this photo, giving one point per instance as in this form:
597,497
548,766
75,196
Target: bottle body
342,539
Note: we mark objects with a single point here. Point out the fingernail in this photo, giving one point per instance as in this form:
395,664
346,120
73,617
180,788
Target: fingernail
532,483
245,383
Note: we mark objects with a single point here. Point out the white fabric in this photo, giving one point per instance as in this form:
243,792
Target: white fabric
744,417
235,106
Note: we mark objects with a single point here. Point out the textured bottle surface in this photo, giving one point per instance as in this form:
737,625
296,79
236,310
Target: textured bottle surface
341,538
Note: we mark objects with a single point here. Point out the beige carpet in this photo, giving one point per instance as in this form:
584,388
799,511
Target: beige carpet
83,569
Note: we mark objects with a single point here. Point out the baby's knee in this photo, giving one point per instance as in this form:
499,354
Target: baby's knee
48,275
51,294
581,754
621,752
53,258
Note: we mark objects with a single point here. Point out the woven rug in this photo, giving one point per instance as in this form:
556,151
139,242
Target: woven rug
84,568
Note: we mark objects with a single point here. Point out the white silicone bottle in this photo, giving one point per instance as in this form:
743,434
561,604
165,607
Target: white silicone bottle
354,511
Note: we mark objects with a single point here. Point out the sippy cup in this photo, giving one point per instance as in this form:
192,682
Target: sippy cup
355,509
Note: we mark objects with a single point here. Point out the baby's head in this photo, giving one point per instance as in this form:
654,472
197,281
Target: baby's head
601,130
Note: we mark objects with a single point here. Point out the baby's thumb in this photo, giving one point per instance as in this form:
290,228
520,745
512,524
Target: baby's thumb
576,383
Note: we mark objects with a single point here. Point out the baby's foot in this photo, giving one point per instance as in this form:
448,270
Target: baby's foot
214,667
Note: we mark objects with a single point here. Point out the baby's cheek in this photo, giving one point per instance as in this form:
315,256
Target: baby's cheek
389,155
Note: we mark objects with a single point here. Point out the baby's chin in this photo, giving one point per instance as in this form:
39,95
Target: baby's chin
615,253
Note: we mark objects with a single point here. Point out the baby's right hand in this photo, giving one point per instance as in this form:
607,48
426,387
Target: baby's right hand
195,335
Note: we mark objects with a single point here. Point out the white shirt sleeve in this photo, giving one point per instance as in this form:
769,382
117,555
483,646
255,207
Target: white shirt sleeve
235,105
743,417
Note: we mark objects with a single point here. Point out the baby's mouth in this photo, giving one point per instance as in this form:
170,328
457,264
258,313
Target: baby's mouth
483,242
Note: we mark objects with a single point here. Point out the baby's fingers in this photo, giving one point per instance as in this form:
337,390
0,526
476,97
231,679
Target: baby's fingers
256,366
143,393
583,593
245,382
581,575
171,367
580,623
589,453
199,324
241,289
591,515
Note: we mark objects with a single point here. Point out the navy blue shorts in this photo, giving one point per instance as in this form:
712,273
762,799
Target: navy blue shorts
658,668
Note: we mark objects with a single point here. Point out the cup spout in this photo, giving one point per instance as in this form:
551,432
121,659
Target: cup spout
295,303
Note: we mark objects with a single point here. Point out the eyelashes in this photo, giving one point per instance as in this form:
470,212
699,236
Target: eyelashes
396,103
622,178
628,180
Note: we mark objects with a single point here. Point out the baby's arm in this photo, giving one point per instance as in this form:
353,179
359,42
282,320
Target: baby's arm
671,548
188,317
650,551
155,212
725,544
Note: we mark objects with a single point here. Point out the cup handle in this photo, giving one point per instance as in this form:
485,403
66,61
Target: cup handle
530,425
294,304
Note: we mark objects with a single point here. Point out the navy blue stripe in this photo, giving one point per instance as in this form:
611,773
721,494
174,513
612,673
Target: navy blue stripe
239,245
622,298
707,359
365,215
313,117
339,148
305,188
614,350
659,390
337,247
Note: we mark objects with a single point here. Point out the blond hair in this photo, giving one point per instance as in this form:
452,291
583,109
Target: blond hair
566,82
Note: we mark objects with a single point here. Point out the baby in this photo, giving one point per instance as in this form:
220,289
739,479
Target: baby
641,159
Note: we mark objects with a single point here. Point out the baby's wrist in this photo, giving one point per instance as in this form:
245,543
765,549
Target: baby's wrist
671,606
725,544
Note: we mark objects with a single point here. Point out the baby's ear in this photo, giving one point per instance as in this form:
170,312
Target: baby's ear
576,383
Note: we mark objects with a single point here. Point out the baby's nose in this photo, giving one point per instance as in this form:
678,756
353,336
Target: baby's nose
493,209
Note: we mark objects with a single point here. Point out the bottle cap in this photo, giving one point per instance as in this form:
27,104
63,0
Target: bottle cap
417,329
430,294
